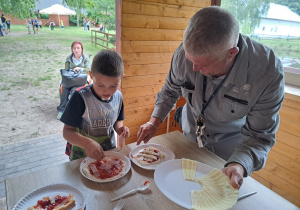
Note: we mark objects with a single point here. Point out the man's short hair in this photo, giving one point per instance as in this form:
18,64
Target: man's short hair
108,63
212,30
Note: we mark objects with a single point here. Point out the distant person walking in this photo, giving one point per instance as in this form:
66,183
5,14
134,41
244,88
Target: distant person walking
52,24
62,24
88,25
8,25
36,25
40,24
1,26
84,24
3,19
29,24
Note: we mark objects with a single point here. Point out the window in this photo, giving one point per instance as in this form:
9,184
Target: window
259,20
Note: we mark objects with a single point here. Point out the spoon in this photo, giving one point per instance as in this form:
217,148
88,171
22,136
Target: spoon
140,188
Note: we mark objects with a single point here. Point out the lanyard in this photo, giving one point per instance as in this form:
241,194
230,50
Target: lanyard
204,103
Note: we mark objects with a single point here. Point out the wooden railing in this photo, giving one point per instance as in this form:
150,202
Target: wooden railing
105,40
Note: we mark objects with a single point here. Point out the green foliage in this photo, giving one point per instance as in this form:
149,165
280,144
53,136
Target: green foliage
78,6
73,20
293,5
20,9
103,12
44,16
247,12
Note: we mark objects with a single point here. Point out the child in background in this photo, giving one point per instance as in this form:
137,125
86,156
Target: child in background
62,24
29,24
95,112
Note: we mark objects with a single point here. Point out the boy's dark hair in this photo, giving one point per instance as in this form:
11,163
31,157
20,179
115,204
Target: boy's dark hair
108,63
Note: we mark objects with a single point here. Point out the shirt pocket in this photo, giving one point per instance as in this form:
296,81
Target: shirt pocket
233,108
188,94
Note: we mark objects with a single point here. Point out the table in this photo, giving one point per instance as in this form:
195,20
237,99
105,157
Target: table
98,195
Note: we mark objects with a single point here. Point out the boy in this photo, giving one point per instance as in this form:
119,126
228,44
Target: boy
95,111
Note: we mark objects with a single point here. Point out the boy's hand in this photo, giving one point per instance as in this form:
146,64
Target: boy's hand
94,150
124,131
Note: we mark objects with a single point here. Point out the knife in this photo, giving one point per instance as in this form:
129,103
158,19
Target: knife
246,195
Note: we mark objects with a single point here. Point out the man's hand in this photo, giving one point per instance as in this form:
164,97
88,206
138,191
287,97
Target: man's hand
235,172
94,150
148,130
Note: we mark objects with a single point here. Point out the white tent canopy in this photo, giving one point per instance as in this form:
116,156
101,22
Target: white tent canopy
57,9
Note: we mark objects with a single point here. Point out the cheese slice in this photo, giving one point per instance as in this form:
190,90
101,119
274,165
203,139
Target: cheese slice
189,169
217,192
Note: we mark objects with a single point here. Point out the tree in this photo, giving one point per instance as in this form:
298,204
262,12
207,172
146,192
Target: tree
78,5
293,5
20,9
103,11
247,12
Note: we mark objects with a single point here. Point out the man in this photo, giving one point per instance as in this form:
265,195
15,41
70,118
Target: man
234,88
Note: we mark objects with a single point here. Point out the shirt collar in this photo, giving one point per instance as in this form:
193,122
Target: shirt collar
238,73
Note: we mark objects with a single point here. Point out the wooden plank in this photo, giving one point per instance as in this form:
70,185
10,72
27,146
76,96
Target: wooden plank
134,130
192,3
290,127
287,151
288,139
157,9
139,101
154,22
279,182
145,34
141,91
285,162
146,58
136,121
149,46
292,97
290,114
294,104
138,111
137,81
283,173
133,138
146,69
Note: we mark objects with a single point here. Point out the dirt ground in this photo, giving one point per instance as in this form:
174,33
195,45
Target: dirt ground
29,81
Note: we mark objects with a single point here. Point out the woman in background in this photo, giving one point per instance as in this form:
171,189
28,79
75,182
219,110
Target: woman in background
78,62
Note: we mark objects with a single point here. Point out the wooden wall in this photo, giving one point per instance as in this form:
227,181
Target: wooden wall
151,30
282,170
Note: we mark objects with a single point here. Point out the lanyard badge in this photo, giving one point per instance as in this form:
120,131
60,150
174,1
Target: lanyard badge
200,125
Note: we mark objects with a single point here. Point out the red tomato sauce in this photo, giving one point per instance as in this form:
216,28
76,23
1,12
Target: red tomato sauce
46,204
103,173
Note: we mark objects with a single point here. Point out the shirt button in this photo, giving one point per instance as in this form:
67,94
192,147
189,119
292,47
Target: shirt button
232,111
207,135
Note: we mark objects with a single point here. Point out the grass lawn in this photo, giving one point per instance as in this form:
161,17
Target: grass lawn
30,78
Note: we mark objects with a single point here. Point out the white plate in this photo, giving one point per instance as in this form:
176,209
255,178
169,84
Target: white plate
169,179
169,155
51,190
88,160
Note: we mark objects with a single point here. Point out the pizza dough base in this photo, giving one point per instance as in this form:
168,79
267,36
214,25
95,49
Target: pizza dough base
142,162
86,171
66,206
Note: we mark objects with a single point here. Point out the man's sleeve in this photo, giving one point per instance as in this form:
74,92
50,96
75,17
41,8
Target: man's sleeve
261,126
74,110
171,91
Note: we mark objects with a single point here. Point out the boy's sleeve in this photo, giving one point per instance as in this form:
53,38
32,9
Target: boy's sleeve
74,110
121,115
